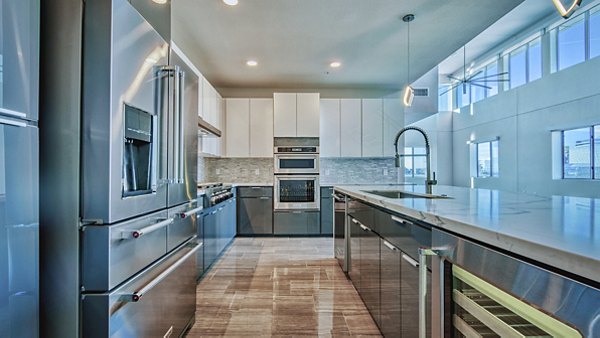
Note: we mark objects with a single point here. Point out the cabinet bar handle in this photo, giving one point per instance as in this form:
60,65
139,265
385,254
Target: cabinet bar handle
400,220
410,261
134,234
190,212
390,246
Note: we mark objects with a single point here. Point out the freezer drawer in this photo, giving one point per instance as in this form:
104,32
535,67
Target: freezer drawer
184,224
112,254
159,302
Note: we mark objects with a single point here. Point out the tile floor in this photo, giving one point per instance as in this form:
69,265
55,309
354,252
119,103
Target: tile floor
279,287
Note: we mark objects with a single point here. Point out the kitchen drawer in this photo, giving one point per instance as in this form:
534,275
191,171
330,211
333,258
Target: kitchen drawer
296,222
112,254
363,213
255,216
256,191
159,302
405,234
326,192
184,224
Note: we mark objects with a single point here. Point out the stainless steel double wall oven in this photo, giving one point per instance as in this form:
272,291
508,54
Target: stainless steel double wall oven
296,177
138,187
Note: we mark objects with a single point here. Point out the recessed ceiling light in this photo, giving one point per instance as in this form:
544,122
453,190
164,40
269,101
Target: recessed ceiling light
231,2
160,2
335,64
252,63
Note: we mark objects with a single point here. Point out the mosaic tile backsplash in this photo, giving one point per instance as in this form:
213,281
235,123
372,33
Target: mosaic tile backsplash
333,171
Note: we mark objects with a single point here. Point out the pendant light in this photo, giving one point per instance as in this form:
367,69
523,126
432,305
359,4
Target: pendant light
409,93
563,10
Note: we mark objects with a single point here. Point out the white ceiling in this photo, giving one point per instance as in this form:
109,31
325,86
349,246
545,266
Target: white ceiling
295,40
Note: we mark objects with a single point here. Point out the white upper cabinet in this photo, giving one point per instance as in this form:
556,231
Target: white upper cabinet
393,121
307,114
285,114
206,92
372,127
296,115
261,128
237,127
330,128
350,128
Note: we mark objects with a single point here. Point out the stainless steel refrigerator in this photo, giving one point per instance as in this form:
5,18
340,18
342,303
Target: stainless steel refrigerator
19,171
138,187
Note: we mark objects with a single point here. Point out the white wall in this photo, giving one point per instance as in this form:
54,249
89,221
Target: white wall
523,119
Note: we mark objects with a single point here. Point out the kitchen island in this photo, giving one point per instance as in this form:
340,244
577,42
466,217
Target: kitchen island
471,261
560,231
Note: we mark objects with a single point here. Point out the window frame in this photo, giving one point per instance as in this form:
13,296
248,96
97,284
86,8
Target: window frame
412,155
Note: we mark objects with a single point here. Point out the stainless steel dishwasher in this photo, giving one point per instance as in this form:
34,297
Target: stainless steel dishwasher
340,238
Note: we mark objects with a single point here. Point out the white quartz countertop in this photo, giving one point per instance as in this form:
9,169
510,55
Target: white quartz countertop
560,231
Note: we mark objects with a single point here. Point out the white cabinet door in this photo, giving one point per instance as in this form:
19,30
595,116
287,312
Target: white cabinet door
237,127
330,128
261,128
284,114
351,127
372,127
206,100
221,143
393,121
201,96
307,115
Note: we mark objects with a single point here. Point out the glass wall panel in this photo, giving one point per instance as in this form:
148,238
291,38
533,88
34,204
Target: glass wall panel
577,153
571,42
492,69
535,60
518,67
484,161
595,32
597,152
495,168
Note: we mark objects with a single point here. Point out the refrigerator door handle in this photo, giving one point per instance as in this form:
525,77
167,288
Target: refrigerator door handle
137,295
163,74
191,212
13,123
14,113
137,233
179,95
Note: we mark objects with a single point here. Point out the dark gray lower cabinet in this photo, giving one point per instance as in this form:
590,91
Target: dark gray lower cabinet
209,223
255,212
354,253
326,211
391,318
296,222
370,274
218,230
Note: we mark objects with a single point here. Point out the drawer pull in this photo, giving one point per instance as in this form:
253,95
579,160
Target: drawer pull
264,198
410,261
134,234
190,212
365,228
137,295
400,220
390,246
355,221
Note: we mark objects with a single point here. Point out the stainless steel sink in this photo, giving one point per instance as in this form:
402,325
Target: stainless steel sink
403,194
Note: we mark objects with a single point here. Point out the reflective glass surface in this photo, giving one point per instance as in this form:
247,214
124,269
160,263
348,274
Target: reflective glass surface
297,190
492,69
571,43
535,60
296,163
577,153
597,152
594,32
518,67
495,168
484,160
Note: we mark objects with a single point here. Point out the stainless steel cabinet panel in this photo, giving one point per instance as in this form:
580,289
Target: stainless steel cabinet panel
369,269
391,318
184,224
112,254
409,294
160,300
257,191
404,233
354,268
296,222
255,215
326,211
364,213
19,47
19,229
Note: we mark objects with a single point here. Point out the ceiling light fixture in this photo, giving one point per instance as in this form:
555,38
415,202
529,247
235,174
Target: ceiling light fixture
252,63
563,10
160,2
231,2
335,64
409,93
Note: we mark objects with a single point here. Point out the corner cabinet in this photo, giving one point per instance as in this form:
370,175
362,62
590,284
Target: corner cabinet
296,114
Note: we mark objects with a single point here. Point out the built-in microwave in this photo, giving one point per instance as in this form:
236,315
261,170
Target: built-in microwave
296,160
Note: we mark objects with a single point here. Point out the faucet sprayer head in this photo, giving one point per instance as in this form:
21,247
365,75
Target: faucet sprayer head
397,161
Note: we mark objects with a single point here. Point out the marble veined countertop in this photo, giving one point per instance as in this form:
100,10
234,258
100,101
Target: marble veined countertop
560,231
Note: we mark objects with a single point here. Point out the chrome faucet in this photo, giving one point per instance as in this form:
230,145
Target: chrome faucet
429,183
